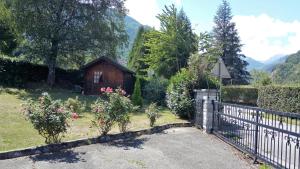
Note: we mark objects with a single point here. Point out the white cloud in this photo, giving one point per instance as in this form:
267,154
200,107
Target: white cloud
144,11
264,36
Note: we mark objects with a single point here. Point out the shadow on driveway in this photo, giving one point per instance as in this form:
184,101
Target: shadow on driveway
64,156
128,143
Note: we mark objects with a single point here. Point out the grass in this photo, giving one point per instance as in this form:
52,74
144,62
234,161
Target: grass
16,132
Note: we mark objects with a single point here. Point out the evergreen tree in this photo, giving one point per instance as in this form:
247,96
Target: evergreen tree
138,52
170,47
137,99
226,36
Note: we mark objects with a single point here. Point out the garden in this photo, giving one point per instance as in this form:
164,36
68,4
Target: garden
33,117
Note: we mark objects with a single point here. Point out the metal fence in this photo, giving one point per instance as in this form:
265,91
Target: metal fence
267,135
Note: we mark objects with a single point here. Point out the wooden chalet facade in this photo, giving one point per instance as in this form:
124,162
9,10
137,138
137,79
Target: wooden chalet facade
105,72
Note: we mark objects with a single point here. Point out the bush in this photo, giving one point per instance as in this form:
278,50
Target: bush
155,90
18,73
114,109
137,99
49,117
152,113
179,98
75,105
240,94
280,98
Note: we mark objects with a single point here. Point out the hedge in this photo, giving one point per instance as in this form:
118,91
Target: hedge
280,98
18,73
240,94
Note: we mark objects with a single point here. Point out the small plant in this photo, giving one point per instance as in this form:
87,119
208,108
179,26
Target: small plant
152,113
75,105
49,117
114,109
137,99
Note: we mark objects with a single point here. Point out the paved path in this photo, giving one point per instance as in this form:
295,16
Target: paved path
177,148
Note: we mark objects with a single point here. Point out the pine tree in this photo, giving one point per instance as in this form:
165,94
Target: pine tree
226,36
137,99
137,53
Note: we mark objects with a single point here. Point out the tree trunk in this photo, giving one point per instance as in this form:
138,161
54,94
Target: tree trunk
52,64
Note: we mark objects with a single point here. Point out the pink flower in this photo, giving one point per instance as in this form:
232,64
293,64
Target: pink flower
109,90
74,115
102,89
123,92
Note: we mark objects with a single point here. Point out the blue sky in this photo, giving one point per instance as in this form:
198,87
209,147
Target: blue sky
266,27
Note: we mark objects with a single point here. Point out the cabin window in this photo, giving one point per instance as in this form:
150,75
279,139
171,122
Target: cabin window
97,77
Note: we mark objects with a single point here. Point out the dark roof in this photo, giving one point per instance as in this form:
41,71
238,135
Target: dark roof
104,58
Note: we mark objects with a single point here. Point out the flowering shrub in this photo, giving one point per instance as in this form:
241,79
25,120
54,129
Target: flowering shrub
114,109
75,105
49,117
152,113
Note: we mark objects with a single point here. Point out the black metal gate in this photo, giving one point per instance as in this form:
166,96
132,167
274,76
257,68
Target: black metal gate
267,135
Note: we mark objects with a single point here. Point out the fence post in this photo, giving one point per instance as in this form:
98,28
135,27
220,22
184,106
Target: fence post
256,135
205,109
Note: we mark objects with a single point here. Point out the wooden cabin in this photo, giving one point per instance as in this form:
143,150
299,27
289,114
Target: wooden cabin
105,72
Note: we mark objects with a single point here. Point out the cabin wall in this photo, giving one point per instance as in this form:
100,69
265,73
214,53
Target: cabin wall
112,77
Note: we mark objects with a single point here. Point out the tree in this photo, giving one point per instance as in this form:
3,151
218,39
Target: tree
137,99
260,78
57,29
9,37
169,48
138,52
226,36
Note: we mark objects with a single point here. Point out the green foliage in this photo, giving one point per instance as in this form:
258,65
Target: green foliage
264,166
64,30
179,98
138,52
49,117
289,71
227,39
280,98
155,90
260,78
18,73
75,105
136,97
240,94
8,32
152,113
169,48
114,109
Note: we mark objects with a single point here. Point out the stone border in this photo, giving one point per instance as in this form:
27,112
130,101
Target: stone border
75,143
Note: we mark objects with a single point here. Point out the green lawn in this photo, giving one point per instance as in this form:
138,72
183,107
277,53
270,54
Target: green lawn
17,133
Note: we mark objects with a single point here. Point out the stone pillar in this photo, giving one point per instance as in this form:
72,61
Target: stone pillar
204,108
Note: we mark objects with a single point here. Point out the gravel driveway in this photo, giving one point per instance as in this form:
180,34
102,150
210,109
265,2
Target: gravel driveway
177,148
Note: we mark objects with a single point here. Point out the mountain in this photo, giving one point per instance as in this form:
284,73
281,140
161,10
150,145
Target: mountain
289,70
267,65
254,64
273,61
131,26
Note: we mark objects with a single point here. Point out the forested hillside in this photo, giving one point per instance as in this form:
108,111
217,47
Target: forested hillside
289,71
131,26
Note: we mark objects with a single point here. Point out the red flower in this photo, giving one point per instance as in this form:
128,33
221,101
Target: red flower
74,115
